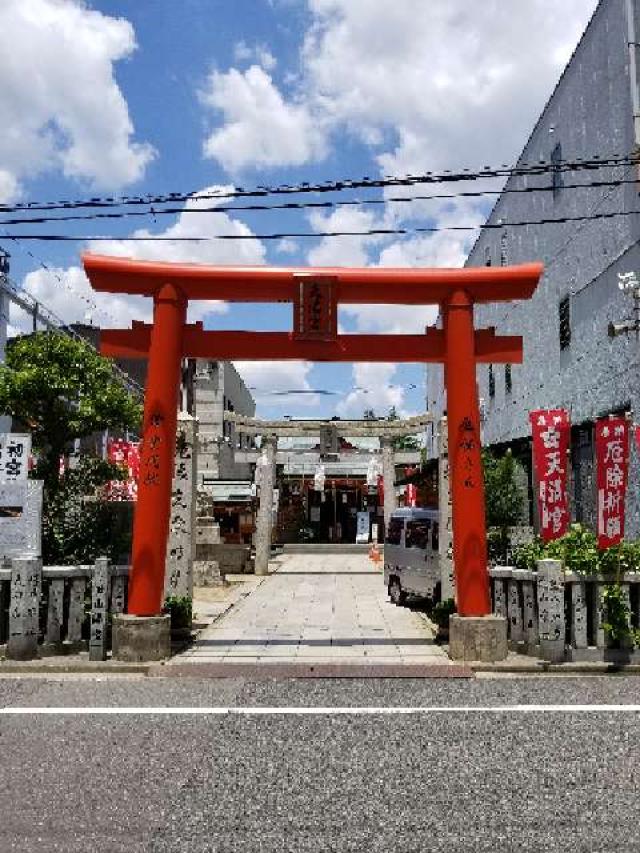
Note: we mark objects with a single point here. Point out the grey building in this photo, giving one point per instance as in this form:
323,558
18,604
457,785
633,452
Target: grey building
569,360
216,387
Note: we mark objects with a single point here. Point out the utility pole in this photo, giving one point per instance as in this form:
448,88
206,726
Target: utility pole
4,302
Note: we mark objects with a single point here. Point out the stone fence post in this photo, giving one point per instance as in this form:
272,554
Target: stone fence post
24,608
551,610
100,595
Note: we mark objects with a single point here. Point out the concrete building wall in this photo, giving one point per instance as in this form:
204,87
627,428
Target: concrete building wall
591,112
218,387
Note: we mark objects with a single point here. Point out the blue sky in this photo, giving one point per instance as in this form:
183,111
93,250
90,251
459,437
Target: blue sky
154,96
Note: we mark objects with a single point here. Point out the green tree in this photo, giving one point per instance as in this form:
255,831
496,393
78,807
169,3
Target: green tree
61,389
502,493
78,524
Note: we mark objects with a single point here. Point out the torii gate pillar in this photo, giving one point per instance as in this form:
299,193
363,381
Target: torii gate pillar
151,520
465,463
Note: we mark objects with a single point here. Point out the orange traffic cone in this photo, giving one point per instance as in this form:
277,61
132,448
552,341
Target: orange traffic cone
374,553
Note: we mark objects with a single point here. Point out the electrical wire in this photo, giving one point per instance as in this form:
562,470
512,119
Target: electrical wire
370,232
306,205
446,176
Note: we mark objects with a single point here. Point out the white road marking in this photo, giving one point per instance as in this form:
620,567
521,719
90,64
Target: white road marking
327,711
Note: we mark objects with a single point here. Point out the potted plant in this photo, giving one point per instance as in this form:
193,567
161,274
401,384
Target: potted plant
440,615
180,608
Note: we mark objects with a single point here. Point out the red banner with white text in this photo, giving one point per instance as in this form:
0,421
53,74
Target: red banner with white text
612,465
126,454
551,433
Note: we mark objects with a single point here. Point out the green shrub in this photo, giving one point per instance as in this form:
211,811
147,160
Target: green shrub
578,550
441,612
180,608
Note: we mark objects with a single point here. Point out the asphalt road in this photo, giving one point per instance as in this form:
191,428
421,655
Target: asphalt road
504,779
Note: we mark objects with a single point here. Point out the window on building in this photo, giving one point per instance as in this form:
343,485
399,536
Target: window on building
508,381
504,255
492,382
417,535
556,175
435,541
564,317
487,256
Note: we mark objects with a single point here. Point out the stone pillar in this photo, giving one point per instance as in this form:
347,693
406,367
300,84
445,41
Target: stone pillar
551,610
24,608
445,532
388,479
264,521
206,569
99,609
178,580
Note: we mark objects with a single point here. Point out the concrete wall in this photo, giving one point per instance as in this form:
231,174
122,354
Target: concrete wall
218,388
590,112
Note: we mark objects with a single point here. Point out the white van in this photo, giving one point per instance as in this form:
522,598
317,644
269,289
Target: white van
411,556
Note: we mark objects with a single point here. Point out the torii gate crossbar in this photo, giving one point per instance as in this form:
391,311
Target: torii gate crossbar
315,294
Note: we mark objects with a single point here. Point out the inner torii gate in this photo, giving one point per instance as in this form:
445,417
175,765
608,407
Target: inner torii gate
315,294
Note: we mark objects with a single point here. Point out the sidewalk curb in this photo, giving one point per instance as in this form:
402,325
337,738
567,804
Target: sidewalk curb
41,667
281,671
545,668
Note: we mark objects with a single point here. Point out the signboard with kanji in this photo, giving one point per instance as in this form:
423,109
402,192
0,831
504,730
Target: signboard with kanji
315,314
551,431
612,463
15,450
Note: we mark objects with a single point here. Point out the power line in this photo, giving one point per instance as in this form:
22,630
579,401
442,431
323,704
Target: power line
447,176
370,232
306,205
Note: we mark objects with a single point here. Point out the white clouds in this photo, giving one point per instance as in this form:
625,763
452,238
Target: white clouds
259,53
60,104
265,377
455,82
373,390
74,299
344,251
68,294
424,85
259,127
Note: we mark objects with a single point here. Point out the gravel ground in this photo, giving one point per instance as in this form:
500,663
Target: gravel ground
477,782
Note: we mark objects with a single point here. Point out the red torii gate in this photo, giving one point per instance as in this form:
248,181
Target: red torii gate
315,294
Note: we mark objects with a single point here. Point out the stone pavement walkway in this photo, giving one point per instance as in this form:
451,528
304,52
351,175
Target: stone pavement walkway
318,608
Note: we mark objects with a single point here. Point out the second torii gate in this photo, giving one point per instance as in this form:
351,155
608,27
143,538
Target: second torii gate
315,295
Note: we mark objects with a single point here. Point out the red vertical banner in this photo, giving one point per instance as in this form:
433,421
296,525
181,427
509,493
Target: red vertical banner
612,465
126,454
551,431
